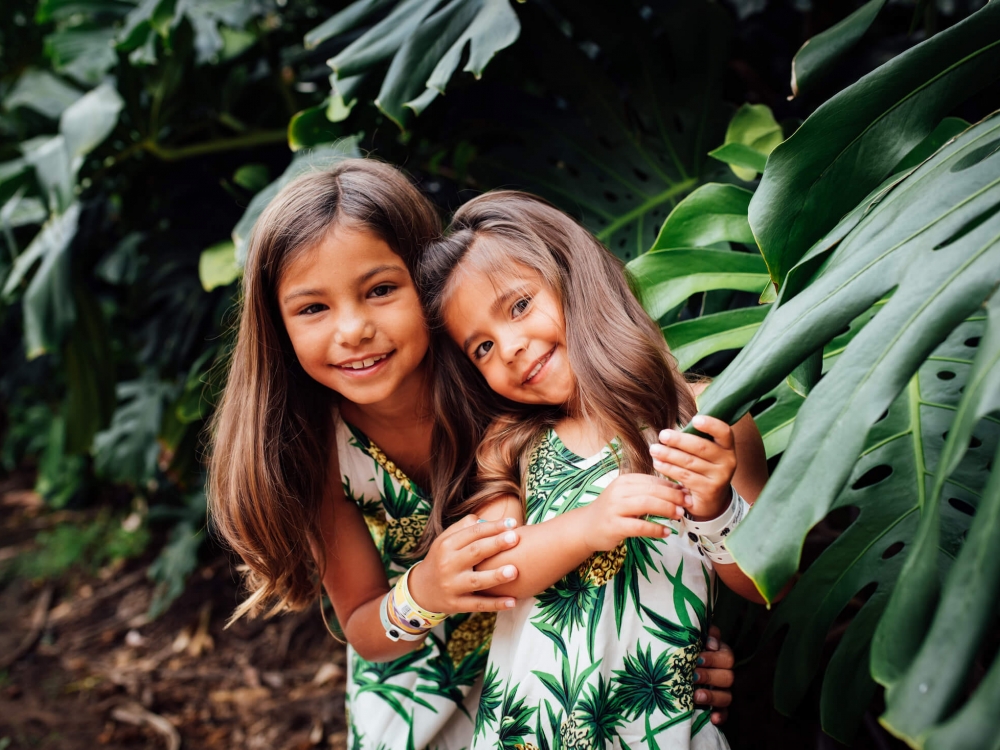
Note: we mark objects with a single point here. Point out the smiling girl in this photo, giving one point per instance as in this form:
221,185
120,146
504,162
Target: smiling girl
322,457
544,331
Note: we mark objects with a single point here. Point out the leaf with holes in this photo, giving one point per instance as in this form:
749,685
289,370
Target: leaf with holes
886,487
928,616
626,136
933,240
855,139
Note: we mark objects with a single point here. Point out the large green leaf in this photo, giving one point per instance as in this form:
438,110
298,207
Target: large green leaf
934,242
425,43
306,160
693,340
630,139
823,52
667,278
128,450
713,213
41,91
88,121
886,487
85,55
752,135
853,141
925,619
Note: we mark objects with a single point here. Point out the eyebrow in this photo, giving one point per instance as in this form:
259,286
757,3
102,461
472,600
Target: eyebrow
364,277
498,304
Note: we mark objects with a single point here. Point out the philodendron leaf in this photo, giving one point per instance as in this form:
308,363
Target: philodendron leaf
934,241
753,133
854,140
306,160
925,618
887,488
666,278
88,121
425,42
823,52
692,340
217,266
947,129
84,55
426,61
41,91
712,213
127,451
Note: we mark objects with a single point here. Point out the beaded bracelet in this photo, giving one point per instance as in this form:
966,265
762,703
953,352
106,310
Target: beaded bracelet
711,535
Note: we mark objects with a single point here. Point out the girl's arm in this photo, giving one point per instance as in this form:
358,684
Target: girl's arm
548,551
707,467
355,579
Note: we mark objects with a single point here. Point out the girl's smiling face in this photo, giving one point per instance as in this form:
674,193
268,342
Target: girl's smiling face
514,331
354,318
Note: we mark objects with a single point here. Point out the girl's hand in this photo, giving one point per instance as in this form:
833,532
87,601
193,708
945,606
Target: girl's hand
705,468
715,672
620,511
446,582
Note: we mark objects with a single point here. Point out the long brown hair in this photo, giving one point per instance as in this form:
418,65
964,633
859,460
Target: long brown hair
626,378
271,435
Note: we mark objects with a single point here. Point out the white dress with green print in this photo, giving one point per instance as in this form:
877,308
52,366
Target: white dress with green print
603,658
426,699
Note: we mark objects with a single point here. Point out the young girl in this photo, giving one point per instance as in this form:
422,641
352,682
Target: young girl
322,445
576,373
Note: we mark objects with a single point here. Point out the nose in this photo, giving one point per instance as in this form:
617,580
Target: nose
511,344
354,327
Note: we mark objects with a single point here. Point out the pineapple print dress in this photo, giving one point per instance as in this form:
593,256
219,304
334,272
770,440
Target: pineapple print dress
605,657
427,698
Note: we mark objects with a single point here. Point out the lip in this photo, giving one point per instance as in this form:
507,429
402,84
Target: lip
543,361
362,371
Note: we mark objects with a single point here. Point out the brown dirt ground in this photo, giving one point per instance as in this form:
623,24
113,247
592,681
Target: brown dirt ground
82,667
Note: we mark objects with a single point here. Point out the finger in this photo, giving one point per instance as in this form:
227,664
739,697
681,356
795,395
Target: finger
715,633
680,457
478,580
713,698
637,507
695,446
720,716
484,603
692,480
635,527
480,529
462,523
716,678
719,430
721,659
483,549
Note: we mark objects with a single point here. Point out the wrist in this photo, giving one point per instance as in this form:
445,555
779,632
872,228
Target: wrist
421,591
720,506
584,524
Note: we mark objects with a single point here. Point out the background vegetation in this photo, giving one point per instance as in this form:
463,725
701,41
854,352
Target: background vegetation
846,240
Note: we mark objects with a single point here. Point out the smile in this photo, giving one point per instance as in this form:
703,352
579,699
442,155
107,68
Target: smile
538,366
362,364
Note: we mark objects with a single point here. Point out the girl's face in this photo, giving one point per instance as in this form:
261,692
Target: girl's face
515,333
352,313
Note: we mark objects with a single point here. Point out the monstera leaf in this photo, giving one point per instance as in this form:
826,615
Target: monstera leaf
422,40
619,139
854,141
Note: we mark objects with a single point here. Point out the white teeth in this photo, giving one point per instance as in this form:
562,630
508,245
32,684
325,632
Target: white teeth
534,371
363,363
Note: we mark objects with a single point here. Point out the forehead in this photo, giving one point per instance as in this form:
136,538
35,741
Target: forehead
344,253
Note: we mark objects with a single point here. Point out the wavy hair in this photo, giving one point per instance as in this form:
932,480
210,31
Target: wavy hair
626,378
271,436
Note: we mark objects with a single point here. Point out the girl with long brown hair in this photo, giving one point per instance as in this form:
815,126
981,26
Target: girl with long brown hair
322,453
545,335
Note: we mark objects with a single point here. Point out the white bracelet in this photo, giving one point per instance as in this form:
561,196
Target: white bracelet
392,632
711,535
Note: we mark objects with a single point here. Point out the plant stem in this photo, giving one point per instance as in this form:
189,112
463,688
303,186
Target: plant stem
260,138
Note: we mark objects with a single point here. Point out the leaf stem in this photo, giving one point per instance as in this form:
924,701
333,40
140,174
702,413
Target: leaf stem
670,193
260,138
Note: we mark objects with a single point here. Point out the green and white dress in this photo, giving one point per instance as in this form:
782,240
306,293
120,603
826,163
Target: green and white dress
605,657
427,698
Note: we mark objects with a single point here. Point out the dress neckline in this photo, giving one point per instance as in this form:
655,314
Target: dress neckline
369,447
558,441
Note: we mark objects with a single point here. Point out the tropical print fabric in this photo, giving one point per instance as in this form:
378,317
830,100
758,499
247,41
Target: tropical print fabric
605,657
426,699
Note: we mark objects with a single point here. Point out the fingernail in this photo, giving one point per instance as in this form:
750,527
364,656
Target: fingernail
481,520
508,571
679,512
510,604
700,661
712,644
665,434
510,523
697,676
700,696
698,421
510,537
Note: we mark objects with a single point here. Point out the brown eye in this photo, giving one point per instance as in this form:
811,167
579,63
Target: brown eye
520,306
382,290
482,350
